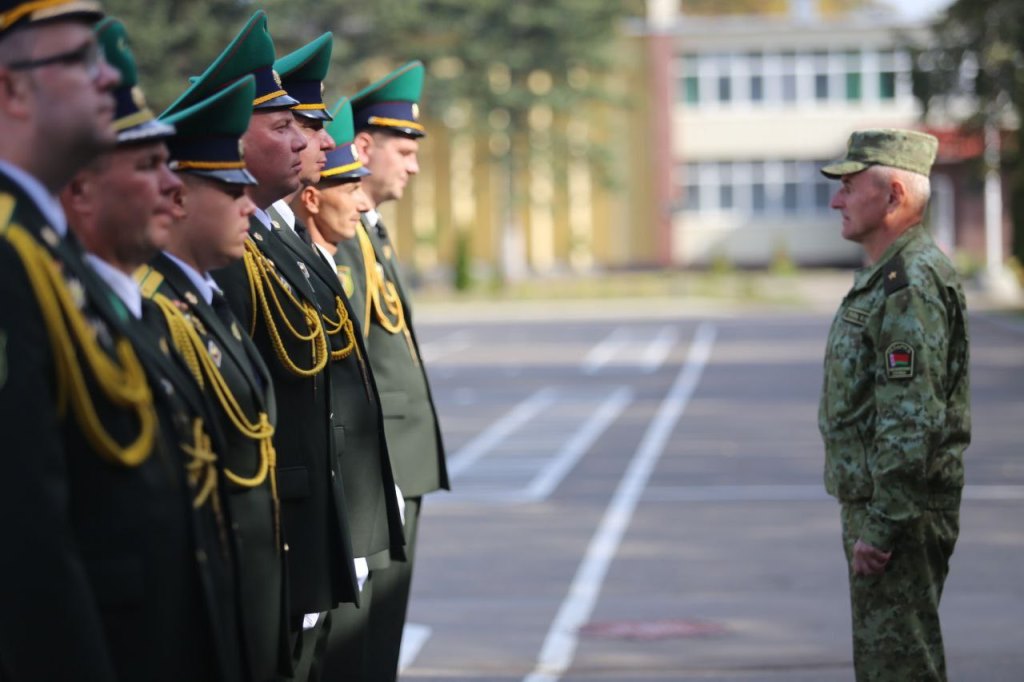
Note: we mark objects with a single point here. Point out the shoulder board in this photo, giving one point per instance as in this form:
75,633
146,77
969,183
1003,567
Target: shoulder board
149,280
894,276
7,204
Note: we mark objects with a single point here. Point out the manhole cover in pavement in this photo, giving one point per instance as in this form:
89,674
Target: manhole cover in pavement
652,629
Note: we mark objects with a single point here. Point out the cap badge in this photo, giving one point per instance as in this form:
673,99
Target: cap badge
277,77
415,111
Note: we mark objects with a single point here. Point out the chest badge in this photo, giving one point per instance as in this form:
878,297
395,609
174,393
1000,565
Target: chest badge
214,352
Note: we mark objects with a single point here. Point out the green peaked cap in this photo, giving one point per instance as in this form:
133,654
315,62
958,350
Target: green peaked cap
251,52
905,149
133,119
343,161
208,138
392,102
303,72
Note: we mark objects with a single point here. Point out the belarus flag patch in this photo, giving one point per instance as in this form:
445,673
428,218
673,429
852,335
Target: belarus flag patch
899,361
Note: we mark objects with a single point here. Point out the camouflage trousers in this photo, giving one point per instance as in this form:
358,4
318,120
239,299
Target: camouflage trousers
896,631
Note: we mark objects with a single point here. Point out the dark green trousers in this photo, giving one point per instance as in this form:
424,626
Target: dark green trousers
347,648
390,603
896,632
308,650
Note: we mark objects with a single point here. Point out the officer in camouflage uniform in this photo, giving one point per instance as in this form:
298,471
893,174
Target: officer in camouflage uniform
895,413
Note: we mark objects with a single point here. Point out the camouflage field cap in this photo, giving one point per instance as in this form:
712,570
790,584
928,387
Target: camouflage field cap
15,13
208,141
133,119
302,74
392,103
343,163
251,52
905,149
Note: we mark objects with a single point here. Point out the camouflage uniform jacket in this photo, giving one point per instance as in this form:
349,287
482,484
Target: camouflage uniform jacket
895,412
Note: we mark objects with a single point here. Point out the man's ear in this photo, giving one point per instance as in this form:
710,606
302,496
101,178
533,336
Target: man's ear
897,194
76,196
310,198
14,94
363,142
179,212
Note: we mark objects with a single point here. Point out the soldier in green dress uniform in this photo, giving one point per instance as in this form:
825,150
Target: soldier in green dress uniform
895,412
386,120
271,294
124,559
330,212
373,508
209,232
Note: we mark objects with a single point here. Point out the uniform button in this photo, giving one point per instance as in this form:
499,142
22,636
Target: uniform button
286,546
333,475
201,556
332,415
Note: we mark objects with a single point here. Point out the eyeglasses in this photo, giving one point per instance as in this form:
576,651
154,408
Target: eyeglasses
89,56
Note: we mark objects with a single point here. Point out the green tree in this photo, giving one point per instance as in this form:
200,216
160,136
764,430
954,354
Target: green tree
976,57
175,39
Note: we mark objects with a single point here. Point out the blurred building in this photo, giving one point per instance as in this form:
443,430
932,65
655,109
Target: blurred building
711,147
756,105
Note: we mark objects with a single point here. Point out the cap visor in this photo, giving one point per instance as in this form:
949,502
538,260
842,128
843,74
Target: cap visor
282,102
233,176
843,167
146,132
315,114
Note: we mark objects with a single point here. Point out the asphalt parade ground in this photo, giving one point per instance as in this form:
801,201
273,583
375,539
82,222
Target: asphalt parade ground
638,496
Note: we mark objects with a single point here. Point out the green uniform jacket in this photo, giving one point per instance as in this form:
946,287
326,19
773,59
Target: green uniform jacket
410,419
359,444
261,574
895,412
320,569
110,573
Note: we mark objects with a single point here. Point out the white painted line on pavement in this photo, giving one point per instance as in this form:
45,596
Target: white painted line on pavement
548,479
657,351
413,638
455,342
601,354
494,434
560,644
798,493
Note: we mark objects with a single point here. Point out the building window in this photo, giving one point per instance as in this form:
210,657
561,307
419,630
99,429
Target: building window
887,86
886,76
753,189
770,79
691,80
853,77
692,90
757,88
724,89
821,87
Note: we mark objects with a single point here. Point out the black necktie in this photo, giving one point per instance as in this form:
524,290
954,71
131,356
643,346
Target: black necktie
222,309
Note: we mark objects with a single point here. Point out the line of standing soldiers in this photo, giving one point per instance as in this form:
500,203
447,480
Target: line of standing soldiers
217,429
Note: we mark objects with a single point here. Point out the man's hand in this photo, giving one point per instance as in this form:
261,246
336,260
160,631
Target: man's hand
868,560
